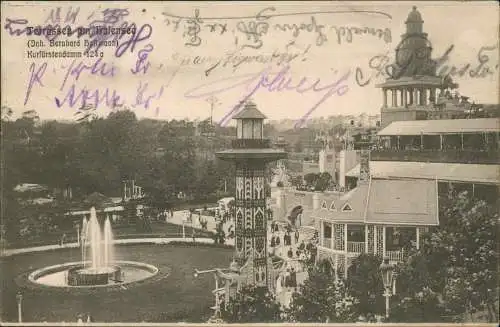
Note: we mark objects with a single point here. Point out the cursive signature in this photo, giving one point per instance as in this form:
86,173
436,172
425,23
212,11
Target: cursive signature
381,66
99,67
272,82
36,75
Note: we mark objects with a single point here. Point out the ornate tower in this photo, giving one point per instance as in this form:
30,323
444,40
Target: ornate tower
251,152
413,82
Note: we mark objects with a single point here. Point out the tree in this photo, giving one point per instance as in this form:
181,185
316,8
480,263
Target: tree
415,301
463,255
311,179
455,270
321,298
298,147
252,305
7,113
364,282
323,181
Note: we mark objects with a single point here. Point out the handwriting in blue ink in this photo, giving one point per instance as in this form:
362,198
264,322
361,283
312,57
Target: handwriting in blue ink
142,64
36,75
145,100
86,97
140,35
272,82
99,68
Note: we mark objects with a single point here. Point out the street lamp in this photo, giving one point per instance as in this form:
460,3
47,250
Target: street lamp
387,271
197,273
19,298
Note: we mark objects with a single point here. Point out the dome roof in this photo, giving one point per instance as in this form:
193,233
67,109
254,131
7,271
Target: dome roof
414,16
250,111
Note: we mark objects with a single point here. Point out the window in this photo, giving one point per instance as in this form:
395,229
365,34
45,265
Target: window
323,205
355,233
332,206
398,238
346,207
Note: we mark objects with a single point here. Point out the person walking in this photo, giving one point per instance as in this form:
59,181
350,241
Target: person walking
193,235
293,278
287,278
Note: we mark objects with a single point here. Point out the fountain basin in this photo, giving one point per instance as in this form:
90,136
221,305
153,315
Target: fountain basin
73,274
80,276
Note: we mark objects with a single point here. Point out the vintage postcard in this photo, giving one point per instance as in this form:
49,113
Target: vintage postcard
247,162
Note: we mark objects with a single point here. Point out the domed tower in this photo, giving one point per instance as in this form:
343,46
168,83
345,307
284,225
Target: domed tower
413,54
413,83
251,152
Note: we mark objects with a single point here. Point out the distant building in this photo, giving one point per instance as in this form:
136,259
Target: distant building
415,91
389,191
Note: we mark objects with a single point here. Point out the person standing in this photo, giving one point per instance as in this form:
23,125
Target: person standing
297,236
293,278
287,278
63,238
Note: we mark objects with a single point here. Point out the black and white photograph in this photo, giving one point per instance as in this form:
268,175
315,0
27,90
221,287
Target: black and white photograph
249,162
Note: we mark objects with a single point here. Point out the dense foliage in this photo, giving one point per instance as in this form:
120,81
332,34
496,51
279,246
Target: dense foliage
164,158
250,305
321,298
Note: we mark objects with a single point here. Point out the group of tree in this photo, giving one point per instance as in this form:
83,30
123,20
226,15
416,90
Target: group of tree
315,182
451,277
163,157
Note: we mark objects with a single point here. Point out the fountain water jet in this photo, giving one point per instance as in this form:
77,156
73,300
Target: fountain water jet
98,266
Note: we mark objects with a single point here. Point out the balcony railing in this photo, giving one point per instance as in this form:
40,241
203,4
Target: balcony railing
251,143
326,242
395,255
357,247
444,156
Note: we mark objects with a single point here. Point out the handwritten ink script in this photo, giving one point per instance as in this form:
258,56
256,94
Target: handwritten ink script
417,62
281,81
74,95
249,31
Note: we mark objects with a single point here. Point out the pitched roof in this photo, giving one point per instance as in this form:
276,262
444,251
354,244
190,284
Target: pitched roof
442,126
355,199
472,173
403,202
385,201
250,111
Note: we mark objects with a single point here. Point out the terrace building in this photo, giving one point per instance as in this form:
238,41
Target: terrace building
397,182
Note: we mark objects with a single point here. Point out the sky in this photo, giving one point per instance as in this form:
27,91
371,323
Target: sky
314,36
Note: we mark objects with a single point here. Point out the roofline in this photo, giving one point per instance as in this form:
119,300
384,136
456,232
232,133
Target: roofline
373,222
368,195
335,221
398,224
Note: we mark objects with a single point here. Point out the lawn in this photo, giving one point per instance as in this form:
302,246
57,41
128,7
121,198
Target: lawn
159,229
173,295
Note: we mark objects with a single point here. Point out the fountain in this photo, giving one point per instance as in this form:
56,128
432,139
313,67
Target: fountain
98,266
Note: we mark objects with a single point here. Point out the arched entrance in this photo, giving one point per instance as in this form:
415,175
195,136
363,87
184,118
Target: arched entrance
295,216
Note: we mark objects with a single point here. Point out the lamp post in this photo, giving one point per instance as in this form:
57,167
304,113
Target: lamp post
78,234
19,298
184,218
387,271
216,291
